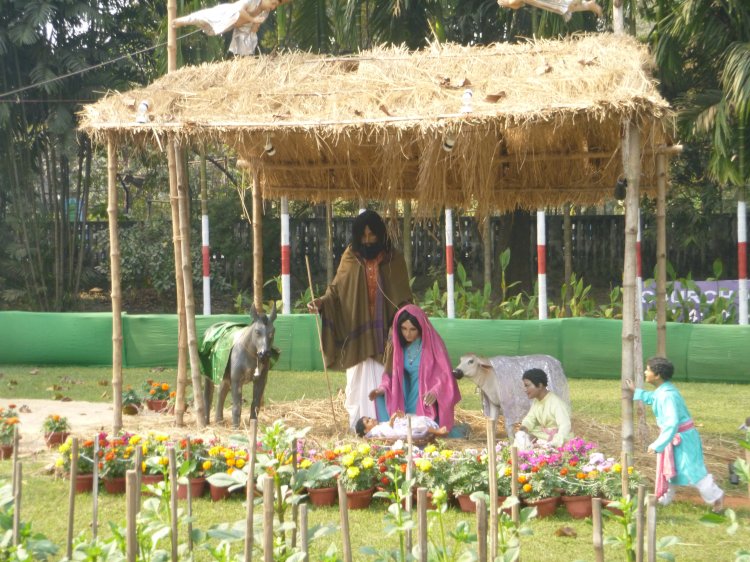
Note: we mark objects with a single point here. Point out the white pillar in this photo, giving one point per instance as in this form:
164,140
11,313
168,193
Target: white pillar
449,288
638,271
541,259
205,249
742,259
286,287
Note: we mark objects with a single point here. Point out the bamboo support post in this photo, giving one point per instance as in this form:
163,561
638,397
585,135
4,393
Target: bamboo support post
624,474
747,459
492,476
516,509
268,519
72,499
116,295
17,496
295,509
406,244
303,542
257,242
661,255
250,497
329,243
14,455
596,519
132,493
137,465
651,527
481,530
189,500
95,489
172,457
422,523
409,475
344,516
640,520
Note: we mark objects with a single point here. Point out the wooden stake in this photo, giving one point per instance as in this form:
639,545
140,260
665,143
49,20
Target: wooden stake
516,509
250,498
344,516
596,519
17,489
747,459
661,255
257,243
295,509
640,520
625,476
95,489
173,498
422,523
137,465
651,529
303,545
481,530
267,519
72,498
132,493
116,295
320,341
188,456
492,475
409,474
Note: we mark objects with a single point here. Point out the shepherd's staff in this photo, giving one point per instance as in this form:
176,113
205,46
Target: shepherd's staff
320,339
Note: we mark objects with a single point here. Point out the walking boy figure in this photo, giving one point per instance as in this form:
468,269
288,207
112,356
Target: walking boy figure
679,453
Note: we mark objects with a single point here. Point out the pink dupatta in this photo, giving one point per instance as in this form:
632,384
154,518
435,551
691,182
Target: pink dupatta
435,373
665,465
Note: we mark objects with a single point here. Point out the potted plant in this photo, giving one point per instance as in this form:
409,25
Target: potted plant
540,489
468,476
8,420
219,466
319,478
190,455
131,401
85,467
56,429
359,475
117,458
157,395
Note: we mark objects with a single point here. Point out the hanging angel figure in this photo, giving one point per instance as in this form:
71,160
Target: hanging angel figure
563,7
243,17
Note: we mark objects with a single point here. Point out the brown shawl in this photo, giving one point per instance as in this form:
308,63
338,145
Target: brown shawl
350,335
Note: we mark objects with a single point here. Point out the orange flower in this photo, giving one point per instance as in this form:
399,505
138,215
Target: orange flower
164,386
527,488
580,475
522,479
152,392
563,471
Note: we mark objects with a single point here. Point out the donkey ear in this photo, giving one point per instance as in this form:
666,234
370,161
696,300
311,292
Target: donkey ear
272,317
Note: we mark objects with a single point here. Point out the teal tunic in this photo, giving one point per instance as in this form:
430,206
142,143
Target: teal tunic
411,375
671,412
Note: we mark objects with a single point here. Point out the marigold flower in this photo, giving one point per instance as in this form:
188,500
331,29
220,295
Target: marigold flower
347,460
563,471
152,392
305,463
617,467
367,462
239,462
164,461
522,479
630,470
430,449
230,470
423,464
383,468
527,488
143,466
384,480
206,465
363,449
135,439
580,475
352,472
508,471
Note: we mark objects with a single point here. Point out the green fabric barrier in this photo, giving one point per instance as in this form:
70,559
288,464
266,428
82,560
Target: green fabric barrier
39,338
719,353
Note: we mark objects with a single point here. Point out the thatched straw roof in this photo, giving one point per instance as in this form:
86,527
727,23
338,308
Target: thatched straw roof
544,127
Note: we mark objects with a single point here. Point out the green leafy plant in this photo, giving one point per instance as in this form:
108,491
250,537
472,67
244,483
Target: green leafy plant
318,474
8,420
130,397
55,423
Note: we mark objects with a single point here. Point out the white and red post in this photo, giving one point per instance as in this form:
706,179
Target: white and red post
449,285
205,251
638,271
742,259
541,260
286,287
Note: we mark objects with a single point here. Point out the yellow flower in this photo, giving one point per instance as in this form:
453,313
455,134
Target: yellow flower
214,451
160,437
367,462
593,474
135,439
363,449
239,462
229,454
430,449
65,447
143,466
59,462
630,470
230,470
508,471
306,463
206,465
527,488
164,461
231,462
352,472
423,464
446,454
617,467
347,460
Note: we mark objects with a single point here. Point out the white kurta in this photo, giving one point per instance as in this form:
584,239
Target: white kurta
360,380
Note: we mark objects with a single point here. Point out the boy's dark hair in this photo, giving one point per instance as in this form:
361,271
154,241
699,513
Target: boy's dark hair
536,377
359,427
377,227
403,317
661,366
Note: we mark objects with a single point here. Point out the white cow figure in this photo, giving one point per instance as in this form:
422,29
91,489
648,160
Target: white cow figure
499,380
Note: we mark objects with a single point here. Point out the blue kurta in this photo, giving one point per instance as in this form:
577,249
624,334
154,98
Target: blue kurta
411,376
671,412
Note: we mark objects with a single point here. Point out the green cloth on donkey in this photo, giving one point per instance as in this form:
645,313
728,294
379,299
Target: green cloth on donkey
216,347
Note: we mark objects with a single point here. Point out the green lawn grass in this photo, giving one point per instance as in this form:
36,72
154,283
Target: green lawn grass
717,408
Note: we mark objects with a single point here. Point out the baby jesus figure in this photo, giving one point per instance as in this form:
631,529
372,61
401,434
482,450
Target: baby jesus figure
563,7
243,17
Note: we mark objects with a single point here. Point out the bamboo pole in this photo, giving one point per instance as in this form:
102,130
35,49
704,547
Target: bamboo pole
747,459
422,523
295,509
651,527
267,519
250,491
303,542
172,457
15,479
17,496
409,474
344,516
183,203
257,243
481,530
406,244
631,332
182,351
189,498
492,475
661,255
329,243
116,292
132,493
95,489
320,342
516,509
567,244
72,498
640,521
596,519
171,36
624,475
137,465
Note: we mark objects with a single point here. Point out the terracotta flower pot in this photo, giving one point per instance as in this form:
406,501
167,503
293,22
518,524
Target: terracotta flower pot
360,499
322,496
579,507
606,503
115,485
467,505
545,507
218,493
84,483
55,438
197,488
150,479
157,405
130,409
6,452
